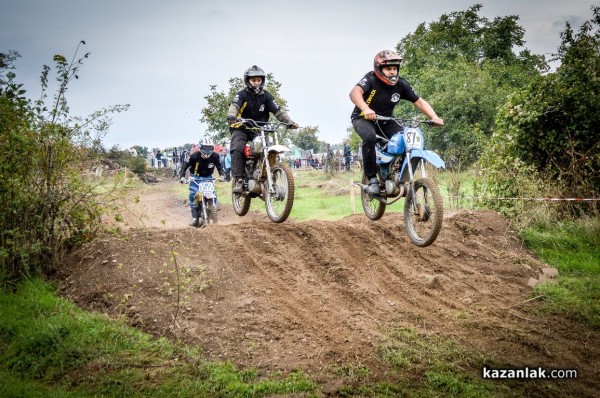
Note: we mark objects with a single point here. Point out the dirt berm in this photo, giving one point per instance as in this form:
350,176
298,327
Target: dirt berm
315,295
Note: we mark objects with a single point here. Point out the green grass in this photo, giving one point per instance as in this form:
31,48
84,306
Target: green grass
49,347
574,249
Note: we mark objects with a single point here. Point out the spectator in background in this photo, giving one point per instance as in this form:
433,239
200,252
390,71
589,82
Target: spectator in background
228,164
159,156
347,156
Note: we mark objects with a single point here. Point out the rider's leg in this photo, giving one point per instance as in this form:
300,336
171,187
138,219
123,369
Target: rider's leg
193,204
367,131
238,142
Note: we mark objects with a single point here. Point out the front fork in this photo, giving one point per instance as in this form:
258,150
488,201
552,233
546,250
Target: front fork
411,176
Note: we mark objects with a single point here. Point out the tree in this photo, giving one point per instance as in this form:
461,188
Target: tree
550,127
215,112
465,66
306,138
353,139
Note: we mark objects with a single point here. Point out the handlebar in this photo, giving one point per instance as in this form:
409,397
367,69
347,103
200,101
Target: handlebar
257,124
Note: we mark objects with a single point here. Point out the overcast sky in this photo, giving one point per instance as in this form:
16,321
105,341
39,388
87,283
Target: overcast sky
161,56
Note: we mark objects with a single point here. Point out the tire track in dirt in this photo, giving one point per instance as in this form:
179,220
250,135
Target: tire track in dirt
318,294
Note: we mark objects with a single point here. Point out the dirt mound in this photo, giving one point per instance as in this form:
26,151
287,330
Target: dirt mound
314,294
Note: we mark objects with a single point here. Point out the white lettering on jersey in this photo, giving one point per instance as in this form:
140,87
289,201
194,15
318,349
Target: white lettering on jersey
362,81
262,108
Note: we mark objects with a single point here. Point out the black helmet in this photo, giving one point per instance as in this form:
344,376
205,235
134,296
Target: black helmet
386,58
206,147
255,71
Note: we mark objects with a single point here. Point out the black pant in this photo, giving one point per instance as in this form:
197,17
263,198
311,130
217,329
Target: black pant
236,147
367,130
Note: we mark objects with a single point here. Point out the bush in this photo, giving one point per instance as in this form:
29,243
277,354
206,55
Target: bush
47,207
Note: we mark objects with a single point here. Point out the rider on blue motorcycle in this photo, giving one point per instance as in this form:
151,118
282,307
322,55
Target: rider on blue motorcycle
377,93
202,165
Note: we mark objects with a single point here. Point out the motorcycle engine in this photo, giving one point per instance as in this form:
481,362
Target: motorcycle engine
391,189
253,186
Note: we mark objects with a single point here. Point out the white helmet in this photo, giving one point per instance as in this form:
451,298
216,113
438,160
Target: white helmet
206,147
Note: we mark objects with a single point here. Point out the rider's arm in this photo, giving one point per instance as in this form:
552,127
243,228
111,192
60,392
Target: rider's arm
356,96
233,110
282,116
427,110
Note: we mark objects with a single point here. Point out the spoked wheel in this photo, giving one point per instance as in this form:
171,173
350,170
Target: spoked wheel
373,208
280,200
423,212
240,202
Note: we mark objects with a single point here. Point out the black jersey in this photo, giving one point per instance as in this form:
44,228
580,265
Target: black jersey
381,97
255,106
201,167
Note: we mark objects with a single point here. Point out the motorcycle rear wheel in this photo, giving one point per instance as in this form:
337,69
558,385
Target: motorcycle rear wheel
423,212
373,208
279,203
239,202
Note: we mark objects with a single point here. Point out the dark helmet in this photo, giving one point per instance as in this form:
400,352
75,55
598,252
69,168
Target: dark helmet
386,58
206,147
255,71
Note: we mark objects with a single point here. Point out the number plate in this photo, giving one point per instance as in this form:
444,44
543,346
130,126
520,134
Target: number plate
207,186
413,138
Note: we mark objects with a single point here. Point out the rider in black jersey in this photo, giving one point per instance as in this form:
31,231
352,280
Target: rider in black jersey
253,102
377,93
202,164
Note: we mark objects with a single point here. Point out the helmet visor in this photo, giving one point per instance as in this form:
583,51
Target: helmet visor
206,150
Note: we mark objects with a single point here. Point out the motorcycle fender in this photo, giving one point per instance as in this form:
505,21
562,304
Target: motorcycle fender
429,156
278,149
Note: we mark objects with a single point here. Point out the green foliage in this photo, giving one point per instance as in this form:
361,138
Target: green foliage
137,164
353,139
48,341
547,133
464,65
558,128
306,138
47,207
215,112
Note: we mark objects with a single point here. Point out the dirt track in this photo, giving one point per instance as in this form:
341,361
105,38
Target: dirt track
317,294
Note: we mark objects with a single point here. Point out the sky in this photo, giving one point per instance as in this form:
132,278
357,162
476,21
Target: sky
161,57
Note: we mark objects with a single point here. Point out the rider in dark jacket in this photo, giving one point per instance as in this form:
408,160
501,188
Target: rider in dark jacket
253,102
377,93
202,164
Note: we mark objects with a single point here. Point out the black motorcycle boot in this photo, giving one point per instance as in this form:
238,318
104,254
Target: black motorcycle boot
239,186
373,188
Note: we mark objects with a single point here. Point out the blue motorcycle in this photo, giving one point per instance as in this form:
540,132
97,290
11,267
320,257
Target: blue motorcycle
399,159
205,201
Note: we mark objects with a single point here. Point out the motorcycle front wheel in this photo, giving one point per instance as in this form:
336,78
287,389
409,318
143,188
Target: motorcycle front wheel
423,212
280,198
373,208
239,202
